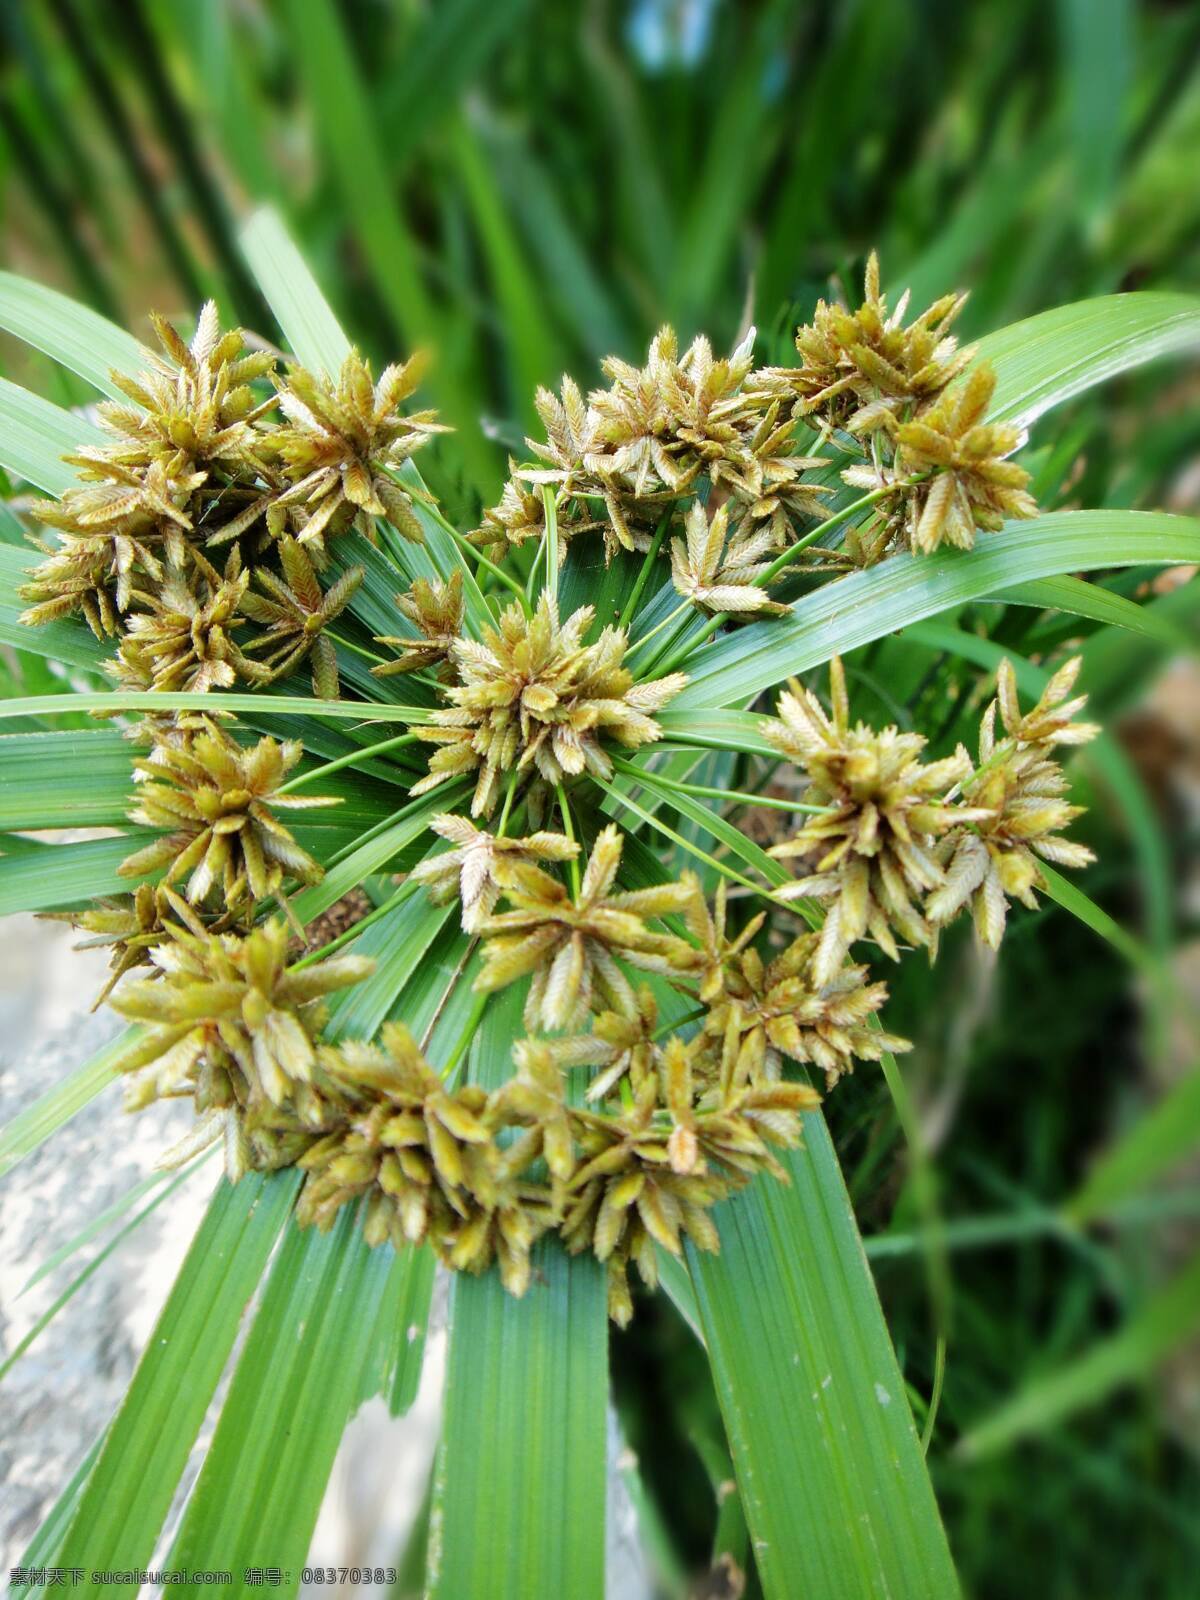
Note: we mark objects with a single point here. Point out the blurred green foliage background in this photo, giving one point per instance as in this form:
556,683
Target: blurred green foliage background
527,186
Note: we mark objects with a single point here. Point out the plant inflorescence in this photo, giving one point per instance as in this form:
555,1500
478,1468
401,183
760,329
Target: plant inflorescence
669,1035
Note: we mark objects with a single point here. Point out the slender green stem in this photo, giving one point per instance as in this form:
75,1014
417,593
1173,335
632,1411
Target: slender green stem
402,893
731,873
568,829
349,760
531,581
686,649
735,797
508,800
835,521
935,1398
439,1009
358,649
465,1037
693,1015
486,562
684,605
643,576
550,509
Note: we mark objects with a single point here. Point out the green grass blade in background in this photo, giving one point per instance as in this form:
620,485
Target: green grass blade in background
521,1478
740,141
535,356
1161,1325
1097,50
69,332
1057,354
1158,1141
829,1466
35,435
342,107
1071,898
131,1487
313,332
905,589
298,1381
446,48
1083,599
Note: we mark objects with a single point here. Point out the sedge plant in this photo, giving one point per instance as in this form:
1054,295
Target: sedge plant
574,1035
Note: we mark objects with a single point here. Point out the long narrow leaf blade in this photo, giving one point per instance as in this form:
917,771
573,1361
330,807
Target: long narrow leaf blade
1167,1319
523,1440
906,589
28,1131
131,1488
297,1384
35,435
1047,359
828,1462
68,332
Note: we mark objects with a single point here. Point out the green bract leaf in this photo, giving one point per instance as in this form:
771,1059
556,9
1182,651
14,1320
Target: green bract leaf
828,1462
1048,358
129,1492
904,589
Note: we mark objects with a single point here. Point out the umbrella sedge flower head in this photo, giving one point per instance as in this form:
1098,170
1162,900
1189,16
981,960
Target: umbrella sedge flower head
467,871
426,1159
132,926
219,799
229,1023
719,572
570,944
788,1008
343,439
435,609
623,1047
650,1175
642,444
293,611
195,408
184,639
532,694
858,369
1019,785
520,513
971,485
870,855
111,539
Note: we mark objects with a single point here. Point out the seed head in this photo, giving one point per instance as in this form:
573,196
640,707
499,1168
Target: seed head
467,871
532,694
972,486
343,439
228,1022
1019,787
571,944
219,800
294,611
717,571
871,854
436,610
